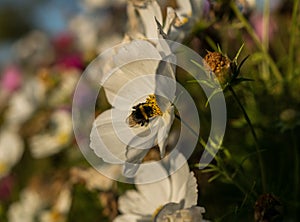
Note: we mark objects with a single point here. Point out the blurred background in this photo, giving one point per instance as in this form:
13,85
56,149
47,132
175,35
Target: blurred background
46,44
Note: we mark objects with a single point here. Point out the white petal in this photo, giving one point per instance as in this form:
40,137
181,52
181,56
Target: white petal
191,195
165,124
111,136
171,15
133,202
158,193
11,150
132,218
131,92
134,159
184,7
137,50
178,183
133,60
148,16
104,140
165,82
146,137
183,182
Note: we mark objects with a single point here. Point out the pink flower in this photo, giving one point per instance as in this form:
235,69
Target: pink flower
11,79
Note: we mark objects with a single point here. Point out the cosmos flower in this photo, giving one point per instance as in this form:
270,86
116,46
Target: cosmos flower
170,214
27,208
62,93
11,150
174,196
59,211
25,101
177,22
94,180
34,49
54,139
140,91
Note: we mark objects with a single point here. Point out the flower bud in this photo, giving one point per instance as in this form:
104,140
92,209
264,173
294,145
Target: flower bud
220,65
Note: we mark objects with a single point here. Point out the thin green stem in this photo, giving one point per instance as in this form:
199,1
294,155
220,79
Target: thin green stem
200,139
293,34
240,187
257,41
221,170
258,151
184,123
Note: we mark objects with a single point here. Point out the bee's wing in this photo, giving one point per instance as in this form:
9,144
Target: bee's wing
130,120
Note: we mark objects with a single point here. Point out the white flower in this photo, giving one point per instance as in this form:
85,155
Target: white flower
95,180
177,24
85,29
56,138
11,150
98,4
136,78
27,208
59,211
149,201
25,101
63,92
171,213
34,49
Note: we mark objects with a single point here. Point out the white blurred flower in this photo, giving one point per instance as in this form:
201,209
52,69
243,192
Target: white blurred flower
95,180
95,4
63,93
85,28
34,49
27,208
61,208
160,200
123,133
11,150
57,137
25,101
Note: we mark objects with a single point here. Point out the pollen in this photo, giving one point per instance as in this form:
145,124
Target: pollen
151,102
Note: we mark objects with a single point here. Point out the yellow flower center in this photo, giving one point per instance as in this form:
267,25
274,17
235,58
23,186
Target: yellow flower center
63,138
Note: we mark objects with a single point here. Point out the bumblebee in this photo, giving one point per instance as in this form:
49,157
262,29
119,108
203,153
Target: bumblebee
142,112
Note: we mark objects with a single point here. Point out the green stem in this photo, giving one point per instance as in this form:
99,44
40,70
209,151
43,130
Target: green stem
240,187
200,139
221,170
258,151
257,41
